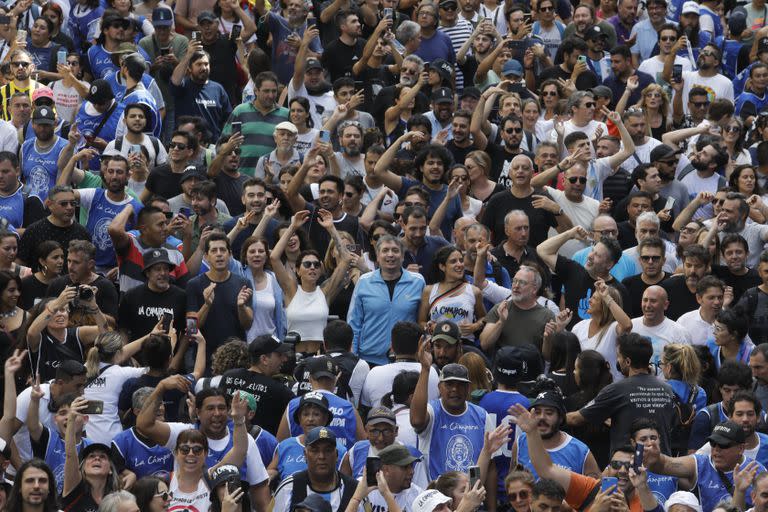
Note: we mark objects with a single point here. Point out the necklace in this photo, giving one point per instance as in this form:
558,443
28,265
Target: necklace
10,314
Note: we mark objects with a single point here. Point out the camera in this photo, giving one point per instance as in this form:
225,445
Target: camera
84,292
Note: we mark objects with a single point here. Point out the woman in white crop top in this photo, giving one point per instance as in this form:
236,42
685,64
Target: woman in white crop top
451,297
306,302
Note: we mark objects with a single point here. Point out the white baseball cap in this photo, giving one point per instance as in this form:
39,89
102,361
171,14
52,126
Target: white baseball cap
690,7
427,501
683,498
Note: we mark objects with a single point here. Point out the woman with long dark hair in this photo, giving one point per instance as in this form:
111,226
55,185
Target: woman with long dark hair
9,248
565,348
12,317
299,112
151,494
451,297
50,262
53,12
306,302
743,180
592,374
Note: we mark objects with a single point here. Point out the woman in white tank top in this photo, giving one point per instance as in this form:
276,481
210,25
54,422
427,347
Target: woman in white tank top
306,302
451,298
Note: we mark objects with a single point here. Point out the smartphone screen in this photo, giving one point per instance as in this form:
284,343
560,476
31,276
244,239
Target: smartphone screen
191,325
236,30
325,136
638,460
608,481
237,127
167,319
677,72
372,466
474,476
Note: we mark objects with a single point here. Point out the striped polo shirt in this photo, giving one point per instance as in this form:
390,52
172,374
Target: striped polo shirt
258,130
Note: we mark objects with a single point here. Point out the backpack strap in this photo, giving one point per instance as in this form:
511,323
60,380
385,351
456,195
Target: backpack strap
299,490
92,380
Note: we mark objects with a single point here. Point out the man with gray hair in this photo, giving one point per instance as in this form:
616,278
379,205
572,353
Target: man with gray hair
648,225
521,319
136,456
119,501
605,226
517,248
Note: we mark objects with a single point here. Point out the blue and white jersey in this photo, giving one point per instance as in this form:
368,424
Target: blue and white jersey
101,211
40,169
497,403
344,423
571,454
662,486
142,459
142,95
55,455
266,443
711,488
291,458
452,443
12,208
88,119
101,60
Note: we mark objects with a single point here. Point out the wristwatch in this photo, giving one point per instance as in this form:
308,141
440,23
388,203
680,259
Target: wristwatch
559,213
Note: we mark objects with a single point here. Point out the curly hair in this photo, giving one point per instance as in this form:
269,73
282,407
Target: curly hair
232,354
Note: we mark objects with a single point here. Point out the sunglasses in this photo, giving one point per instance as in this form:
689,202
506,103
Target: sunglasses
177,145
580,179
732,129
700,104
168,215
549,93
668,39
617,464
310,264
514,496
546,9
589,104
20,64
513,130
196,449
349,194
408,204
165,496
721,446
72,203
650,258
235,151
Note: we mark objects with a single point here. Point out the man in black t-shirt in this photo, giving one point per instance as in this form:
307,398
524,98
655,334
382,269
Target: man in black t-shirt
143,306
682,289
734,273
639,395
339,56
578,281
267,355
651,253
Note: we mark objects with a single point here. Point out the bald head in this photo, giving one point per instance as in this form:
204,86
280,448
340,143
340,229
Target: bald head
654,303
459,231
521,171
605,225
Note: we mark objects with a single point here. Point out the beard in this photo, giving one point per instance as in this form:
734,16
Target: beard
699,165
317,90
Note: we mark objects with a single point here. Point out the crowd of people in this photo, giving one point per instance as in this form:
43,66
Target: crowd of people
382,255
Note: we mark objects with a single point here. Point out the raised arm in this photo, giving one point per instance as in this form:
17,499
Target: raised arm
632,83
454,188
540,458
419,414
384,24
70,174
9,424
392,114
381,169
147,423
180,71
547,250
373,209
34,426
72,475
235,141
301,57
284,278
690,209
236,454
627,145
35,330
479,116
545,177
116,229
295,200
333,285
673,138
65,155
669,61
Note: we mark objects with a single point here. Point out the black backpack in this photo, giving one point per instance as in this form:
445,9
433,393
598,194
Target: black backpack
686,411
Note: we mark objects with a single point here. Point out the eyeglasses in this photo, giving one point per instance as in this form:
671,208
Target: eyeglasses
732,129
168,215
73,203
648,258
668,39
514,496
20,64
618,464
700,104
580,179
521,282
606,232
589,104
707,54
177,145
196,449
513,130
165,496
375,432
546,9
718,202
549,93
310,264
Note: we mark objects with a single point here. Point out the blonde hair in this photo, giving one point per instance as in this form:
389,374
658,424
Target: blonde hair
330,263
663,109
479,375
104,349
684,362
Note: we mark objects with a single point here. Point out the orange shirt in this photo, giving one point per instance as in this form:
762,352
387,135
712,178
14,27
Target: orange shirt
580,487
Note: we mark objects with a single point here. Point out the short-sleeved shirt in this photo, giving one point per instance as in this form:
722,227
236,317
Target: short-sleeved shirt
639,396
501,203
272,397
522,325
581,487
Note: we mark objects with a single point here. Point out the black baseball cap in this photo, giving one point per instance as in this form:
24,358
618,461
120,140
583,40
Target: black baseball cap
662,152
100,92
315,398
322,366
155,256
455,372
319,434
510,365
266,344
446,330
727,433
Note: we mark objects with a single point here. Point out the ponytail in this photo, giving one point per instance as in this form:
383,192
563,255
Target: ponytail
684,362
104,349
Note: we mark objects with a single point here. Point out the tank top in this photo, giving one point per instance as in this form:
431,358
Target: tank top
459,309
12,208
263,304
40,168
307,314
198,501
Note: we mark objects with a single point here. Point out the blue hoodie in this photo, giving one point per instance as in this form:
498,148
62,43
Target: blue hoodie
372,314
